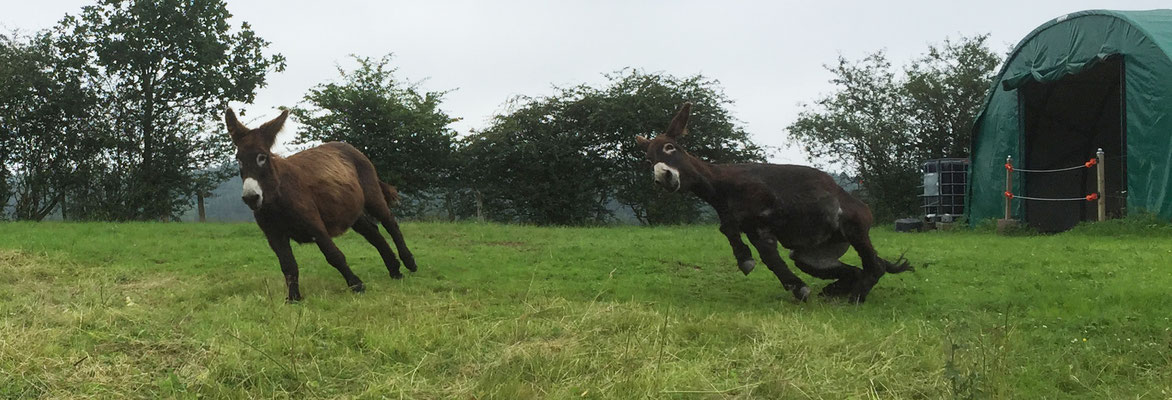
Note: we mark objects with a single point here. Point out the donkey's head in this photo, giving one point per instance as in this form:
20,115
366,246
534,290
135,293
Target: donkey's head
671,164
261,183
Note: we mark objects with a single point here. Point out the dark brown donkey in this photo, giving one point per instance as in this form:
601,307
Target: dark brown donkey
800,207
313,196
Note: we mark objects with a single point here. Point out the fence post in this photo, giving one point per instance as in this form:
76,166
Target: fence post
1008,184
1102,172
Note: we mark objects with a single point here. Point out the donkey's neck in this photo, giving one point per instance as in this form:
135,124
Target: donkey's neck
706,176
281,168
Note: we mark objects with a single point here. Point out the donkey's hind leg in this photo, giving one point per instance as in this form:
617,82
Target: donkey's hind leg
822,262
366,227
383,214
873,267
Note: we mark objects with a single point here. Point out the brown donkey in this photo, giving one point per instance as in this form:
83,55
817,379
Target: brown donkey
800,207
313,196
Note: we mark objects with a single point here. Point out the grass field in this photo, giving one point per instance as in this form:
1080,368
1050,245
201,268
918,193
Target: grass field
511,312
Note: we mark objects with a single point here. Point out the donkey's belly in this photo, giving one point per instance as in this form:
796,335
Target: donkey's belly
803,231
340,221
339,208
305,234
302,237
797,241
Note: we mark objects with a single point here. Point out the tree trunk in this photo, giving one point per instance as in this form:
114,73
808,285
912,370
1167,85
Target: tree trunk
148,206
199,201
47,209
479,206
448,203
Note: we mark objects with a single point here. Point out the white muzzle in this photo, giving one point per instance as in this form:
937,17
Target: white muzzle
252,194
667,176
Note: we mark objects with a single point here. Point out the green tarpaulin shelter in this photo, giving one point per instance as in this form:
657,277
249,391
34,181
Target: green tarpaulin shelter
1083,81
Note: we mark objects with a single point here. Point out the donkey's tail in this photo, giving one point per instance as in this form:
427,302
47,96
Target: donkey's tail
900,265
391,194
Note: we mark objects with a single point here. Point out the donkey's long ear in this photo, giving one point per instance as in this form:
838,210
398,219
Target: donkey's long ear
268,132
642,141
235,128
679,124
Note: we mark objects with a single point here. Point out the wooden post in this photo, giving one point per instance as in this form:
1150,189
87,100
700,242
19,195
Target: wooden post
1102,172
1008,186
1008,224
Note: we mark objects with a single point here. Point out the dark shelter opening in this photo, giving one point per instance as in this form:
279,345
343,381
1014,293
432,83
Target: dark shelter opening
1066,121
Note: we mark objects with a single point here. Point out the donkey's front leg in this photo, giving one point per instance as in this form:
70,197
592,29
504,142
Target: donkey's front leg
338,260
732,231
766,246
280,246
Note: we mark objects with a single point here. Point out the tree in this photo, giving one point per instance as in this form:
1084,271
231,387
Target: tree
570,158
945,89
46,125
166,67
881,125
533,165
638,103
397,125
10,56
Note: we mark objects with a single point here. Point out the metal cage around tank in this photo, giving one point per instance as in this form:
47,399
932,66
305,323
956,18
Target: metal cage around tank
944,186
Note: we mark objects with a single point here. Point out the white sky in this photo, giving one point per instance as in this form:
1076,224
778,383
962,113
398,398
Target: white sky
768,55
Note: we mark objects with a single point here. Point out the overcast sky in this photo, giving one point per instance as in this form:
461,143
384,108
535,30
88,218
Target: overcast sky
768,55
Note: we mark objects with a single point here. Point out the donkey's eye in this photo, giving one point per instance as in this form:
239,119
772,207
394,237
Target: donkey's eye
261,159
669,148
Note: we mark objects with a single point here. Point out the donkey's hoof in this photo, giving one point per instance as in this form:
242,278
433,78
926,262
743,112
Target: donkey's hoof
396,275
410,264
802,292
860,291
358,287
747,266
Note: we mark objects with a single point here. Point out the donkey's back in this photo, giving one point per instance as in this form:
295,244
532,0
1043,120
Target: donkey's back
799,187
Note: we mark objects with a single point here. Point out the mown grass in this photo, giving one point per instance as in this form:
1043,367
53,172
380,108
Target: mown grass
147,310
